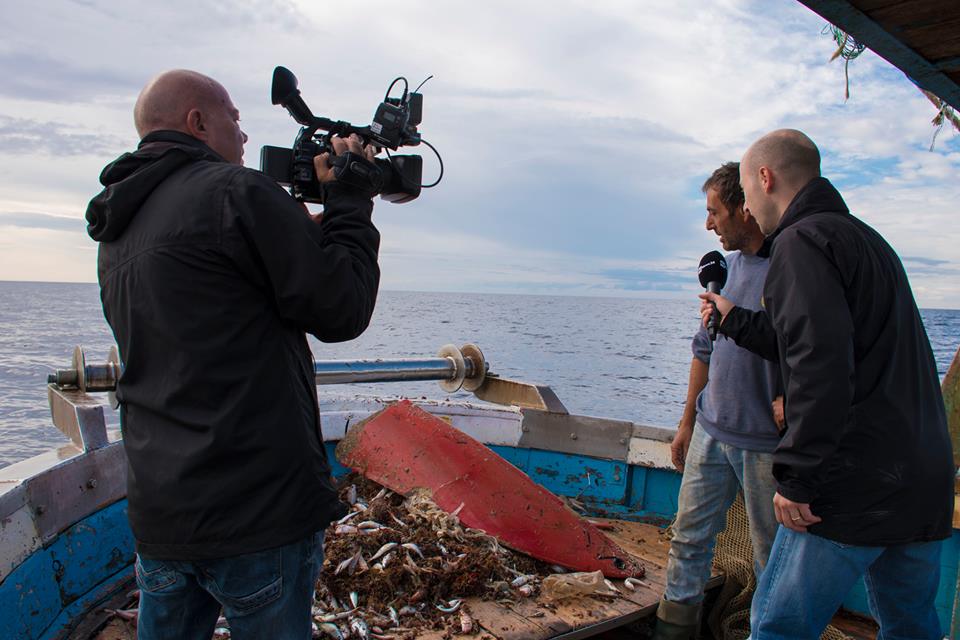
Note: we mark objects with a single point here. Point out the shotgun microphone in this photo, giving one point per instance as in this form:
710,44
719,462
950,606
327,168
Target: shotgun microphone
713,276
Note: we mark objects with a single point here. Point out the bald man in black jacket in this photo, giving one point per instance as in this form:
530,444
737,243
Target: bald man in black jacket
865,469
211,275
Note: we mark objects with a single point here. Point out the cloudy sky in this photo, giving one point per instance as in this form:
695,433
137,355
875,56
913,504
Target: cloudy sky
575,135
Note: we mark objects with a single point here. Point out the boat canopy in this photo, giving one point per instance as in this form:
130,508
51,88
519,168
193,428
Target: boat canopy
920,37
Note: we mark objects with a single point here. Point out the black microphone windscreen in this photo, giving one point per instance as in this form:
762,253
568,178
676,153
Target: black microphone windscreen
713,268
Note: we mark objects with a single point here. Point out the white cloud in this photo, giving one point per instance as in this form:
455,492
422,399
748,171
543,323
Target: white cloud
575,134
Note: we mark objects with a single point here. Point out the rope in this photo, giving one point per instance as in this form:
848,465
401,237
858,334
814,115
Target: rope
847,48
945,113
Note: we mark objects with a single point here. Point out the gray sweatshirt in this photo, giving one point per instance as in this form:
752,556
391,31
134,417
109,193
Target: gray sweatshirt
734,407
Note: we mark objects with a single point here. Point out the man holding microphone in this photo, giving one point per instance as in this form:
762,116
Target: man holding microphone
728,431
864,470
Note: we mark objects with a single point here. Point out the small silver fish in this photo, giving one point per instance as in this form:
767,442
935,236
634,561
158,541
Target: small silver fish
383,550
333,617
633,583
360,627
343,566
519,581
348,516
354,561
452,606
331,630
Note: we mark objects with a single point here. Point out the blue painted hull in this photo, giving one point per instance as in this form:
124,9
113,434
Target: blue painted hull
47,595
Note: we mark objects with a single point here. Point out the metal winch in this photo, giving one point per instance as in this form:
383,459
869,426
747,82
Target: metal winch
80,415
454,368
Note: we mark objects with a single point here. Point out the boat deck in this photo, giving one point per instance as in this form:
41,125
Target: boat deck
537,619
593,616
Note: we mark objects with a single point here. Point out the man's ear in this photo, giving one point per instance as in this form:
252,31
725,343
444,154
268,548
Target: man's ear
742,214
196,125
766,179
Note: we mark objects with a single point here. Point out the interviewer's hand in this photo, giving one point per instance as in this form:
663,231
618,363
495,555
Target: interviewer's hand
352,143
793,515
778,418
723,306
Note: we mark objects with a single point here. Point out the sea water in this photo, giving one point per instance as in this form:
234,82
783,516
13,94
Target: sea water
625,358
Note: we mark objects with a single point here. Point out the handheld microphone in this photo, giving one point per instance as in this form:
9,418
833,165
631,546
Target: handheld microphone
713,276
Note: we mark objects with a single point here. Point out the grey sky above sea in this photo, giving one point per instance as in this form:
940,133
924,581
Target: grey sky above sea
575,135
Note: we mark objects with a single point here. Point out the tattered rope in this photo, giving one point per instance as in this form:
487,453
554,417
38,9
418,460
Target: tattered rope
847,48
944,113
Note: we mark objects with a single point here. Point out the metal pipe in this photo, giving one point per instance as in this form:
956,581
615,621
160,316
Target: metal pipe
450,367
360,371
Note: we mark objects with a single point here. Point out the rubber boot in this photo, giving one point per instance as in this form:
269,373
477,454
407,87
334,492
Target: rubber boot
677,621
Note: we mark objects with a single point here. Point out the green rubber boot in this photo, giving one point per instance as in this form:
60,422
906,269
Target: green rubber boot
677,621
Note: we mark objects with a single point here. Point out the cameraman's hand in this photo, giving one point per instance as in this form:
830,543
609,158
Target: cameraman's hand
352,143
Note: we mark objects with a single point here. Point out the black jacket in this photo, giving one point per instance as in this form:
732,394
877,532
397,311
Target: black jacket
866,442
210,274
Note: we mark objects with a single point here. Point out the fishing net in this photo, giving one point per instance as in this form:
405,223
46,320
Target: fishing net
730,616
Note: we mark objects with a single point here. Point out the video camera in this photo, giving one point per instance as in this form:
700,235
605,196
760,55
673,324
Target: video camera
396,179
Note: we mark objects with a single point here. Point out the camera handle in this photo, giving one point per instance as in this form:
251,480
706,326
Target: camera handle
355,170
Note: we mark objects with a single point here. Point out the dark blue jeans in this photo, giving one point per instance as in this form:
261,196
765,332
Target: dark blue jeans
267,594
808,576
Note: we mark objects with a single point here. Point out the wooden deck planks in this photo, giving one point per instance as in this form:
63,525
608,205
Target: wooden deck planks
537,619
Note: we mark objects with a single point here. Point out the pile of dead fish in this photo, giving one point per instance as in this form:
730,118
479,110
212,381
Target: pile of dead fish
396,565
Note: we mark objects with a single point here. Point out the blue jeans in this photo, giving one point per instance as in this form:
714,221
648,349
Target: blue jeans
808,577
266,594
713,474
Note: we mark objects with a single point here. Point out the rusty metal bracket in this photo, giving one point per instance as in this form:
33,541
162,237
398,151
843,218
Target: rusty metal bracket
66,493
79,416
521,394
